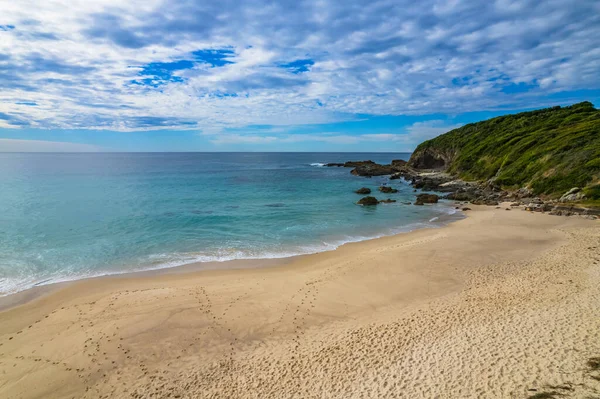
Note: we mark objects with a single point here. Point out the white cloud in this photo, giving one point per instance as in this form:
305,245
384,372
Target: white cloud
14,145
76,59
403,140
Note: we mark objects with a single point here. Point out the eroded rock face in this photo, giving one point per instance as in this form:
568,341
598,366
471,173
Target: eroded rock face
363,190
430,158
368,201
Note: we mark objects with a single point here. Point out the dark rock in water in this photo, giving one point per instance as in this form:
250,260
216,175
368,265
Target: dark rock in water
406,203
387,201
466,209
373,170
334,164
426,199
387,190
277,205
363,190
355,164
368,201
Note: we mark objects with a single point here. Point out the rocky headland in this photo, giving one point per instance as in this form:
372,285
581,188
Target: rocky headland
528,159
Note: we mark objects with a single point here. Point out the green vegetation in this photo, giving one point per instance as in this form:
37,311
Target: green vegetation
550,150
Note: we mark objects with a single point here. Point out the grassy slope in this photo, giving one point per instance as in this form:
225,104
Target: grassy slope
550,150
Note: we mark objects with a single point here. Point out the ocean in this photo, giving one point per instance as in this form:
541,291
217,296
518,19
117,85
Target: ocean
66,216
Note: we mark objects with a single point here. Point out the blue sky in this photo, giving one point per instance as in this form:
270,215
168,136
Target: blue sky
188,75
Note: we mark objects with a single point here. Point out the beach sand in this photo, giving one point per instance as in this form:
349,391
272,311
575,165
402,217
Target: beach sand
502,304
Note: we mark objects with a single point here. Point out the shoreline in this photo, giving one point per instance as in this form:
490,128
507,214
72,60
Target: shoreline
455,311
39,289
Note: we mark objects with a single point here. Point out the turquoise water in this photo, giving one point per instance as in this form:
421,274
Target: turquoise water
70,216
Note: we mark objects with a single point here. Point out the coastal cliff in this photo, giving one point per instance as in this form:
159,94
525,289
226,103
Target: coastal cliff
548,151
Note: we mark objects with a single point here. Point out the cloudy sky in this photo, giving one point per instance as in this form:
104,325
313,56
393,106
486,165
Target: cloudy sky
372,75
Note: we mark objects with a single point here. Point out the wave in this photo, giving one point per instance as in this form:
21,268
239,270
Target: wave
10,286
318,164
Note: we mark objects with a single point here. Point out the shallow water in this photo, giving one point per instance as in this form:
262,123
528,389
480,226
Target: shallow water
70,216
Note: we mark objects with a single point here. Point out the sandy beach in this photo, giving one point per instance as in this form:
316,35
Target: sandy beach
501,304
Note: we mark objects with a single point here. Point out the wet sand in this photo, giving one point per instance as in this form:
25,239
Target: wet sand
501,304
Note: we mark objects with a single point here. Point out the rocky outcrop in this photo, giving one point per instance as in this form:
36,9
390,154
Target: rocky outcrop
574,194
397,163
478,193
387,190
369,168
431,158
373,169
427,199
387,201
351,164
368,201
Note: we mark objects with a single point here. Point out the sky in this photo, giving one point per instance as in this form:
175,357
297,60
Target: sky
291,75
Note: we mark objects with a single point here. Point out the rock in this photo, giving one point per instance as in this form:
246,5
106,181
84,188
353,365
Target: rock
406,203
485,201
350,164
373,169
399,162
573,191
368,201
507,209
461,196
466,209
426,199
431,181
431,158
515,204
363,190
523,192
573,194
387,201
387,190
566,210
355,164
